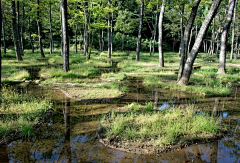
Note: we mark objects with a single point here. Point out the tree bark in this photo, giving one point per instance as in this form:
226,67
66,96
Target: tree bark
86,30
30,34
222,58
109,31
22,26
4,36
65,36
213,39
50,30
182,29
155,32
1,20
193,54
39,30
76,49
187,31
233,31
160,35
140,30
15,32
102,38
237,40
18,28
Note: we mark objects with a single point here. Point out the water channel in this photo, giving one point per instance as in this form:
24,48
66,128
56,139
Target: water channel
70,134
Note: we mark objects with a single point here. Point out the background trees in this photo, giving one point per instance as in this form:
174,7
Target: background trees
119,25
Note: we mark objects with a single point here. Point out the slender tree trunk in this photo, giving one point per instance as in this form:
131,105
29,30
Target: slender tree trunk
99,40
123,40
150,48
76,49
1,20
30,34
102,38
222,58
18,28
155,31
182,29
86,30
109,31
187,31
160,35
50,30
39,30
233,31
112,34
4,36
22,26
65,36
140,31
190,40
237,40
15,32
193,54
213,38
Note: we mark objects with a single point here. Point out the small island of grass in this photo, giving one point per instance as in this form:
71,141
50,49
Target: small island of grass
141,129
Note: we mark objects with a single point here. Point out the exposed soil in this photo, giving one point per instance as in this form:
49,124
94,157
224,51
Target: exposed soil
146,147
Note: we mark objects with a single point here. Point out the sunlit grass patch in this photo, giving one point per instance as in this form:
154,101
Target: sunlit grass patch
198,85
114,76
20,112
160,128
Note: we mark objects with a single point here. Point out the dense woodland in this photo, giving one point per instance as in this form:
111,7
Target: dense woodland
189,27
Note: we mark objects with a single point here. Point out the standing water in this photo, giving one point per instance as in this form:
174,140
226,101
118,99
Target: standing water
70,134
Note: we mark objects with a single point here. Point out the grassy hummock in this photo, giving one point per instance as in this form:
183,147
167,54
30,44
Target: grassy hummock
19,113
160,129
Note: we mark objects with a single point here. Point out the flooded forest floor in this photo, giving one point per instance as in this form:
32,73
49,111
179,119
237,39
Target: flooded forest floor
83,96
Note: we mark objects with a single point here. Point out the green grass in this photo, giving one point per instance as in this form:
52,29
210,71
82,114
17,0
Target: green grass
162,129
114,76
198,85
19,113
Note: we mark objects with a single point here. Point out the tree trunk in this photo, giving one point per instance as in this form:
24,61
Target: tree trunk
4,36
233,31
182,29
123,40
30,34
39,31
190,40
22,26
112,34
99,40
160,35
102,38
1,22
140,31
86,30
188,28
237,40
193,54
65,36
222,58
50,30
150,48
109,31
155,31
213,38
76,49
18,28
15,32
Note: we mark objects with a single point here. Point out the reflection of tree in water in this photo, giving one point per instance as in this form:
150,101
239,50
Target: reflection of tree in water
65,155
